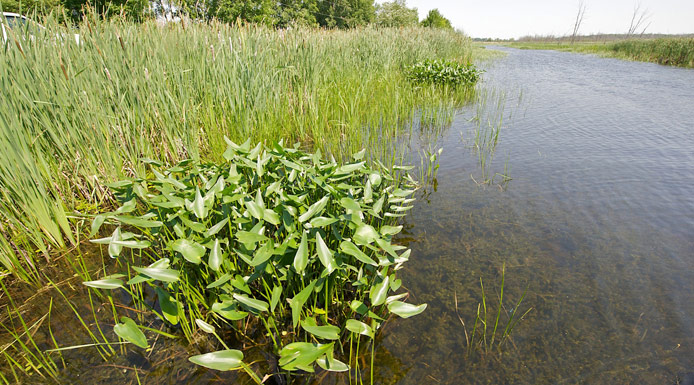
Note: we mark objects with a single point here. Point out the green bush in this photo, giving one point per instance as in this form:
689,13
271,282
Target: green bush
274,240
441,72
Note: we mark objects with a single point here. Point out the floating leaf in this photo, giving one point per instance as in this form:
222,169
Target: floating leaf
129,331
222,360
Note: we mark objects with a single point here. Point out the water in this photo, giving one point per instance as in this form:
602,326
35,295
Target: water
597,223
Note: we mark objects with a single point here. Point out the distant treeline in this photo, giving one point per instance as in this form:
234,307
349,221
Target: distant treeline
278,13
603,37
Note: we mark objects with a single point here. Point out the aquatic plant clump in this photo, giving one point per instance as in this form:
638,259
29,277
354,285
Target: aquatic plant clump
273,239
441,72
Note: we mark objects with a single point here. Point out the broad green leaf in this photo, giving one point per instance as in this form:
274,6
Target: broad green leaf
301,257
300,355
314,209
169,306
252,303
204,326
365,234
359,155
275,297
255,210
358,307
325,254
228,310
160,274
247,237
191,250
129,331
215,259
322,221
379,291
405,310
222,360
349,168
271,217
368,192
220,281
263,254
378,206
359,327
349,248
198,206
96,224
133,244
216,228
328,332
114,249
298,301
390,230
350,204
107,283
375,179
329,363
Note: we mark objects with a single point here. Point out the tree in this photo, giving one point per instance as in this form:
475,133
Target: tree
638,19
345,13
396,14
297,12
435,19
579,19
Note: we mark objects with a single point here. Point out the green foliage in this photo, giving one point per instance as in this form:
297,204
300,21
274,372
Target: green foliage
75,117
276,238
395,14
440,72
34,8
677,52
345,13
435,19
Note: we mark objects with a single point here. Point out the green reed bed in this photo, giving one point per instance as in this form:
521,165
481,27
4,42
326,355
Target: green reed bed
676,52
272,239
668,51
74,117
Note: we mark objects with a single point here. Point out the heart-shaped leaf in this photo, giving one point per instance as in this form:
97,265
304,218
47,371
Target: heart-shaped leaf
129,331
222,360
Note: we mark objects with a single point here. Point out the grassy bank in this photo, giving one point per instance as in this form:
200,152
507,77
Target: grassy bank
73,117
668,51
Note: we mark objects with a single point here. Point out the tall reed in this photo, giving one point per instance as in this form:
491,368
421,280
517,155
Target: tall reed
74,116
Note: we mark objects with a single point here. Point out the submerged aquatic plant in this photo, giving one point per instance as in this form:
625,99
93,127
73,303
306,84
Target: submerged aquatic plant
491,331
443,73
274,239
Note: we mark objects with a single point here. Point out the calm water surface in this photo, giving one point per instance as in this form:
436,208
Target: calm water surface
597,223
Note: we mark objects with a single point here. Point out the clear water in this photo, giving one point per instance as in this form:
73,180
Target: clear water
597,223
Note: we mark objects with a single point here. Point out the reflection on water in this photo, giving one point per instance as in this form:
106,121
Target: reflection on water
598,222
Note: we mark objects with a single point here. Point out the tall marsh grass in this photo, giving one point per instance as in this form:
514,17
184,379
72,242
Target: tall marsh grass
73,117
676,52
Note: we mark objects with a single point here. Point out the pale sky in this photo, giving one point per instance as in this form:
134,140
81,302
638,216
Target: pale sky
516,18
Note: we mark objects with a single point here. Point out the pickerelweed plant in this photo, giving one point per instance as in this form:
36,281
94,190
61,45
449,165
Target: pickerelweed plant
443,73
275,239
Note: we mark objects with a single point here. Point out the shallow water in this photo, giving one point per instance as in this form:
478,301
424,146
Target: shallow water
597,223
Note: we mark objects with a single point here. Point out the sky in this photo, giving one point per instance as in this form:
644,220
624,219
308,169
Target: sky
515,18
